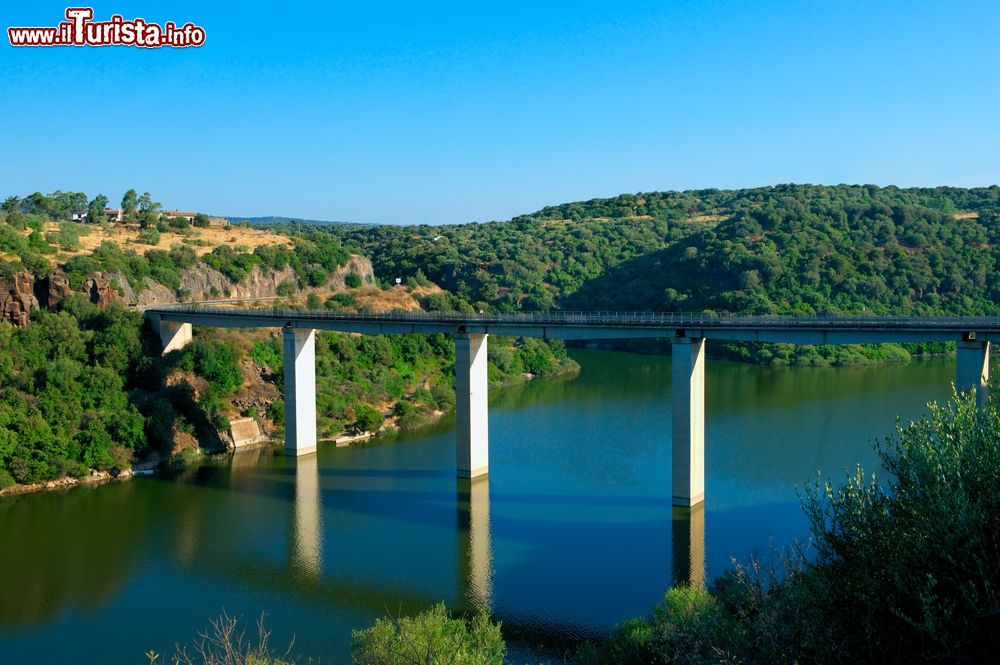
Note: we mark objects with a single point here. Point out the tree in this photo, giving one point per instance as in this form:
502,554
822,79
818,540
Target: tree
12,204
95,210
67,204
130,203
147,203
201,220
149,210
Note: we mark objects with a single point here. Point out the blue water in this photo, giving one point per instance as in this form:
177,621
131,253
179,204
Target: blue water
572,531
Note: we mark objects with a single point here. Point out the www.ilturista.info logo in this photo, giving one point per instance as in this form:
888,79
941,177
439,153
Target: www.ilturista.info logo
80,30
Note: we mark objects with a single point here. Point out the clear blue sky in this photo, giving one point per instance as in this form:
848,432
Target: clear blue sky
469,111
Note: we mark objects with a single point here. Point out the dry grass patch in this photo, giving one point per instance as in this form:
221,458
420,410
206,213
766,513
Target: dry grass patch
201,240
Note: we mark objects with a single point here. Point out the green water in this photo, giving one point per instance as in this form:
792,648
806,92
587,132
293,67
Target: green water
572,532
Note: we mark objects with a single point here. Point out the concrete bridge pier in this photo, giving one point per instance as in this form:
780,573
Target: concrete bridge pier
973,369
300,391
471,406
173,335
688,431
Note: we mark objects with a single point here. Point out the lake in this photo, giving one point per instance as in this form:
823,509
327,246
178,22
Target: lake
572,531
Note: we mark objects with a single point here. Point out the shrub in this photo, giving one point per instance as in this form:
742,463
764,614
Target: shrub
67,237
149,237
225,643
341,301
367,419
268,354
216,363
352,280
276,413
688,626
430,638
907,571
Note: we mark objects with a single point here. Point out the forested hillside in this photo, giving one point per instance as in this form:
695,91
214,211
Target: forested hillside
790,248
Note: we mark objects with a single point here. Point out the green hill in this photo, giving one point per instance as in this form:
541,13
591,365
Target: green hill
784,249
789,248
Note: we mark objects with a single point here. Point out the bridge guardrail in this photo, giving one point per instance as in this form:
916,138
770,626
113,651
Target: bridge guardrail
606,319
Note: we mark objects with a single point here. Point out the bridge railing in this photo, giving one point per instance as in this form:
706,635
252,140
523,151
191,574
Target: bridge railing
611,319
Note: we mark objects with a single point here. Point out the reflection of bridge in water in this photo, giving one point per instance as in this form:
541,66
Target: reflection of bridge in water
308,571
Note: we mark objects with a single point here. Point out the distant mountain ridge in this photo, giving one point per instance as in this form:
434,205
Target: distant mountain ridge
273,219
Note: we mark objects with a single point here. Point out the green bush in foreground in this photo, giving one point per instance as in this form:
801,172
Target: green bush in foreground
913,568
430,638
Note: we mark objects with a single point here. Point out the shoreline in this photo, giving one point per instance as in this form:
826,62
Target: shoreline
93,478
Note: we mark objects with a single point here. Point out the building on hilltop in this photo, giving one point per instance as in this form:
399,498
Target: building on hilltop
118,215
189,216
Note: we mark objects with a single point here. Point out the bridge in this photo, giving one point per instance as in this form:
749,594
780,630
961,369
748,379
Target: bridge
686,332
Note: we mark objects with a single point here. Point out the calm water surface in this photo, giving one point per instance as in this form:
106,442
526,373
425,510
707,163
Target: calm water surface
572,532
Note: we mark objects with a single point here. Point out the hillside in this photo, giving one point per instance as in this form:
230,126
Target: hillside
783,249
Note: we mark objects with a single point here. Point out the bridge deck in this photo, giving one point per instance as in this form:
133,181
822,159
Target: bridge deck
821,329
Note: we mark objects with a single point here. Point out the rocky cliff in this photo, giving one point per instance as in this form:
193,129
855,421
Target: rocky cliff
24,291
203,282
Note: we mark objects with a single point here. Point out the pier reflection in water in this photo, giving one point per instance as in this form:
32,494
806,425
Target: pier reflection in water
475,552
307,525
688,538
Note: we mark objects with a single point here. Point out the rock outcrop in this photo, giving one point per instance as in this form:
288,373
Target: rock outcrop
357,264
24,291
203,282
17,298
54,290
103,289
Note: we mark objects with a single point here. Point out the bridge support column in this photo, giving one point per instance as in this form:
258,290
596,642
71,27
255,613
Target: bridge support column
973,369
174,335
471,406
300,391
688,431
